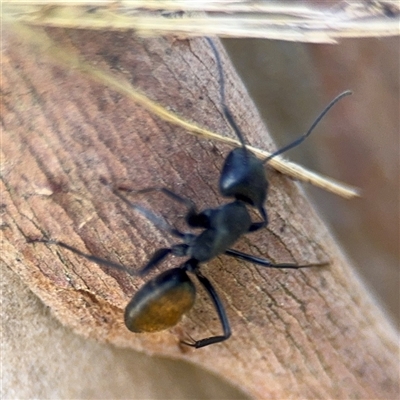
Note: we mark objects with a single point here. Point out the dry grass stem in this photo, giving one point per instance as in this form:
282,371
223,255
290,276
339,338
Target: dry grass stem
271,20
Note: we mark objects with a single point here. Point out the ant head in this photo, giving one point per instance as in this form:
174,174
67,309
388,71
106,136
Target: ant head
243,177
161,302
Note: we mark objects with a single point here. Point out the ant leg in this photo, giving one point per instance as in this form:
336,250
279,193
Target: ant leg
264,262
158,256
193,218
188,203
179,250
157,221
255,226
97,260
221,314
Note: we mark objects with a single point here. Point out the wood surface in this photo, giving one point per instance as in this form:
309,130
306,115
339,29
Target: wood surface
313,333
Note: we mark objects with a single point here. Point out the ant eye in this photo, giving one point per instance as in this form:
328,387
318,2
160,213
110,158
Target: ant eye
161,302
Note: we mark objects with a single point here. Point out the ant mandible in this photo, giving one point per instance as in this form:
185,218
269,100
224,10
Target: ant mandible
163,300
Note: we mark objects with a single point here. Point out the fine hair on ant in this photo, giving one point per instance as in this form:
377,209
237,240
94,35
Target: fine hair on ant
163,300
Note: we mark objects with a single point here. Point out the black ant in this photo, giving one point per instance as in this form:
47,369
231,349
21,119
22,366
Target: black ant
163,300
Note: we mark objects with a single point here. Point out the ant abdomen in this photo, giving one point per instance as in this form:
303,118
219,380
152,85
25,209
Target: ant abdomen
161,302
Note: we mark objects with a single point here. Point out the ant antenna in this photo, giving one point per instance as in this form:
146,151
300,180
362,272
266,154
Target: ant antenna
315,123
227,113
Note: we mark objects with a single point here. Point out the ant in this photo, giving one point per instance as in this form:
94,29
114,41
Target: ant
162,301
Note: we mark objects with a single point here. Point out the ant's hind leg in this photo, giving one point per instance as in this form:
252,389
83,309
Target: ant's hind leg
221,314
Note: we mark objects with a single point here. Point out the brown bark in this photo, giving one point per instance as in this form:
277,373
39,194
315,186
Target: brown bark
312,333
